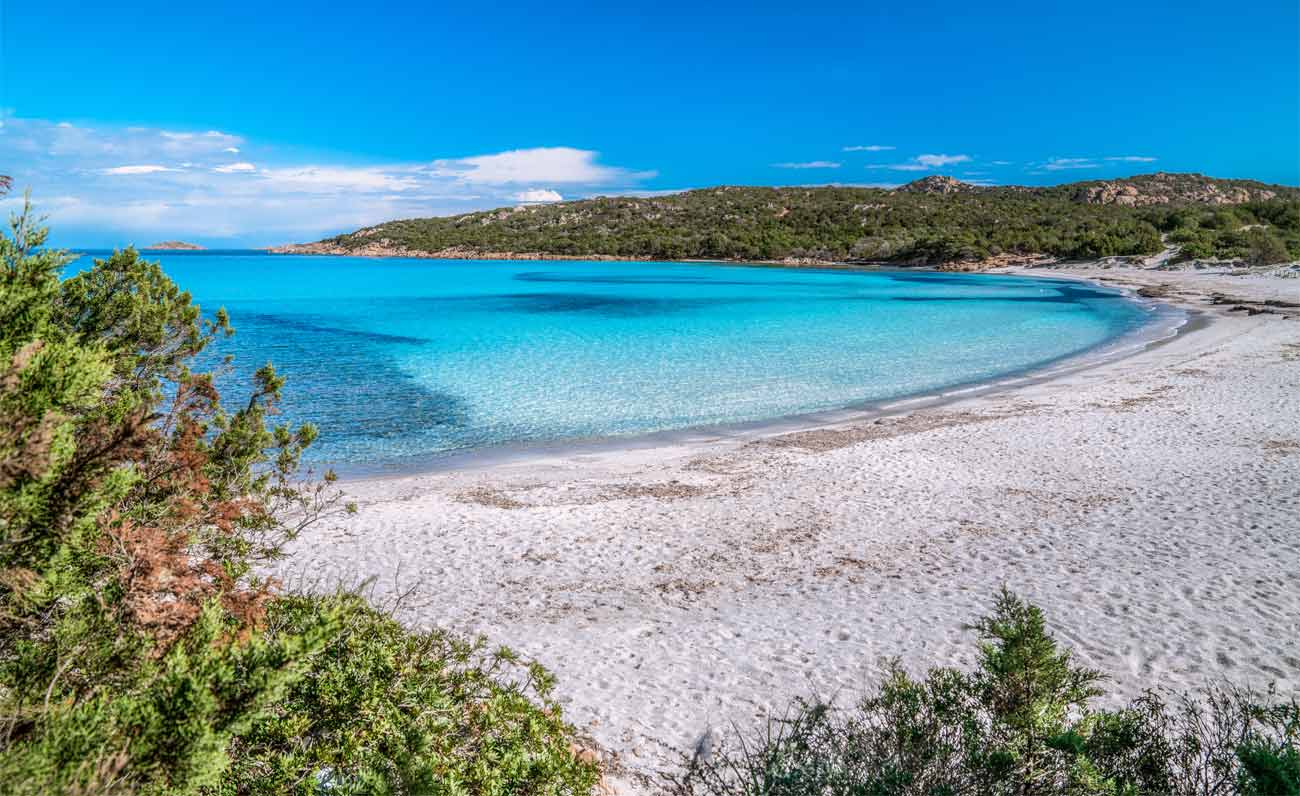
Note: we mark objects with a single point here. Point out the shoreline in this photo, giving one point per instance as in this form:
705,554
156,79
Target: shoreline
384,251
1167,322
1146,503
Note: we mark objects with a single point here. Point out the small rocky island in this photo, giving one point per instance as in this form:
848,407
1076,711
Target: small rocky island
174,245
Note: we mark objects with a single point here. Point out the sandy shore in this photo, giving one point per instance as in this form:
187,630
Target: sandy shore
1151,505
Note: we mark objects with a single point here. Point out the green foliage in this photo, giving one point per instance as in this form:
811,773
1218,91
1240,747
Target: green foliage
1264,248
125,658
384,710
140,652
1020,724
856,224
1268,771
1260,233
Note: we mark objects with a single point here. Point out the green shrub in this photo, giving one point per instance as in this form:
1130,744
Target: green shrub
1263,248
1020,724
385,710
140,652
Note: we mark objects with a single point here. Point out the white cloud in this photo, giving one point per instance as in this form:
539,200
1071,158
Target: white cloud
538,195
210,138
41,138
1001,162
340,179
142,169
1062,164
812,164
923,163
869,148
937,161
104,186
563,165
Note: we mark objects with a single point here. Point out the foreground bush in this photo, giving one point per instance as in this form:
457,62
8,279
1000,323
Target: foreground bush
384,710
140,653
1019,724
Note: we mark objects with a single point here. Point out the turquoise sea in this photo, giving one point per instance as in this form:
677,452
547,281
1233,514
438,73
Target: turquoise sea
403,362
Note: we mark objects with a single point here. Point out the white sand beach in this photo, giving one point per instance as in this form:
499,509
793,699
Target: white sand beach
1151,505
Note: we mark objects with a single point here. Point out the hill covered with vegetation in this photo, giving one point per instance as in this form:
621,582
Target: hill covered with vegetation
931,221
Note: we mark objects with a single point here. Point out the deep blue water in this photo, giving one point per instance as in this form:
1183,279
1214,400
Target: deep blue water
400,362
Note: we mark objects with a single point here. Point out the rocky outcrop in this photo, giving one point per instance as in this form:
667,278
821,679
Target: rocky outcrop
937,184
174,245
998,261
1163,188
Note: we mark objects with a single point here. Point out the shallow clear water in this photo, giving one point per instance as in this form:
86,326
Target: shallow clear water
402,361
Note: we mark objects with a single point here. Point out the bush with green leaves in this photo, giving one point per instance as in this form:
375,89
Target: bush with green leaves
140,651
386,710
1020,724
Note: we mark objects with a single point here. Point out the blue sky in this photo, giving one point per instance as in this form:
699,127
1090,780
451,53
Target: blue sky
250,124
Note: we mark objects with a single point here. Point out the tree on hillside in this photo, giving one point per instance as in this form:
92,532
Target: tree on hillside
1265,248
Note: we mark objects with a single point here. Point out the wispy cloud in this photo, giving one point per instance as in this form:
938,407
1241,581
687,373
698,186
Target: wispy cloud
937,161
901,166
811,164
130,170
869,148
1069,164
331,180
924,163
1000,163
1063,164
113,185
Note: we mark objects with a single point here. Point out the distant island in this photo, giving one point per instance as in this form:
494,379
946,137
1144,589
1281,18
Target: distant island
936,220
174,245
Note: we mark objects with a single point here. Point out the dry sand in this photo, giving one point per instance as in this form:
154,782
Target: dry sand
1150,505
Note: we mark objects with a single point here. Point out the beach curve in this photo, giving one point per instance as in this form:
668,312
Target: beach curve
707,581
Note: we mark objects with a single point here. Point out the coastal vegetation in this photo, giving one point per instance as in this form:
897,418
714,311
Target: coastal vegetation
1021,723
140,650
1258,233
932,221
